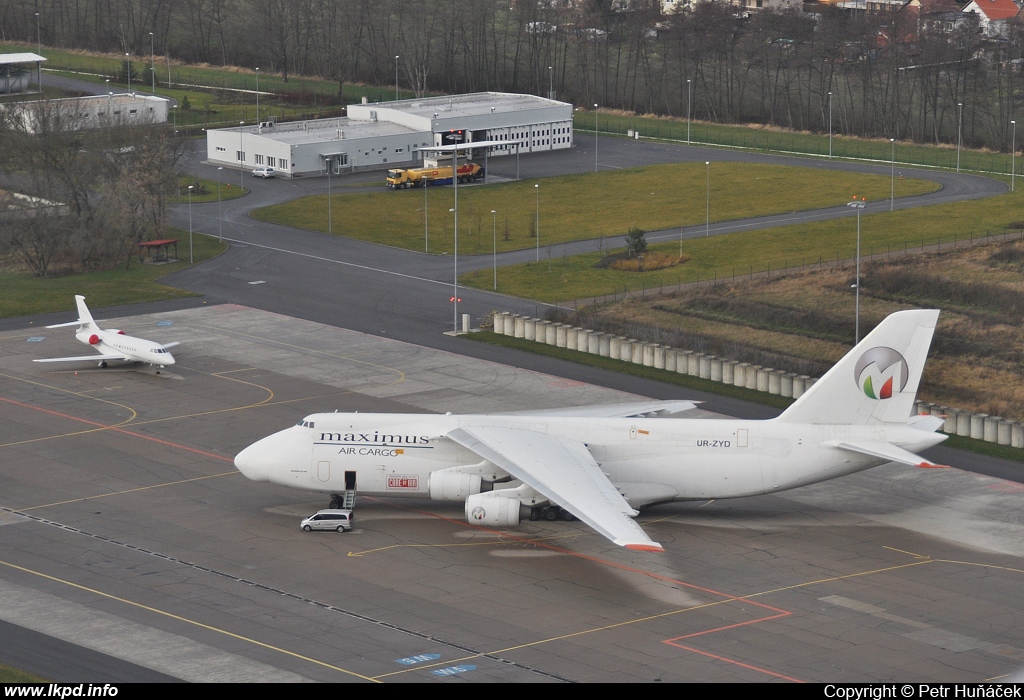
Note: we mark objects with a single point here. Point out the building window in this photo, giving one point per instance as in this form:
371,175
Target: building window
259,159
240,156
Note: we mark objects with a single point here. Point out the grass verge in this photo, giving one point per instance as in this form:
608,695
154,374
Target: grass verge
26,295
686,381
579,207
9,674
208,190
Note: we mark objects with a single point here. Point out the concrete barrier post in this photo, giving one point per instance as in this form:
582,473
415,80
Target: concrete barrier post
572,338
963,423
762,378
799,385
520,326
739,374
1003,432
978,425
705,366
991,430
752,371
693,364
728,367
550,333
949,427
627,349
530,329
716,369
671,354
787,385
659,356
775,382
605,345
583,339
1017,435
683,361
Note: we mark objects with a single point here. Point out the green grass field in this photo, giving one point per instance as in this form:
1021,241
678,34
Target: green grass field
743,253
577,207
25,295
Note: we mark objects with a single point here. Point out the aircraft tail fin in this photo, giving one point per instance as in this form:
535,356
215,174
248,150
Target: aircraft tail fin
877,381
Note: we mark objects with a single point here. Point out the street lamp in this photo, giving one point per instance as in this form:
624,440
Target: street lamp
455,287
396,78
330,218
689,102
536,227
258,95
1013,154
959,131
220,207
494,237
551,83
426,221
830,124
39,41
190,258
892,176
858,205
707,207
152,62
241,158
128,62
595,137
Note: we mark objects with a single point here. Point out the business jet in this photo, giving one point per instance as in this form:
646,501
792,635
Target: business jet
602,464
113,344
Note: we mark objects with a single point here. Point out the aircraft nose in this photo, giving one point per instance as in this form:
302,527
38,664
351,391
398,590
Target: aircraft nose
253,463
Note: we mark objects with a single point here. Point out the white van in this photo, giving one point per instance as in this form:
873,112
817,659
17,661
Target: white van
330,519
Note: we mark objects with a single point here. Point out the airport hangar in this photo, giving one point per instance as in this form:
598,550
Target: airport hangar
386,134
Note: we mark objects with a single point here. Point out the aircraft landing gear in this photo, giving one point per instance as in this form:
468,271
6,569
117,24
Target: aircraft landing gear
336,501
550,513
103,364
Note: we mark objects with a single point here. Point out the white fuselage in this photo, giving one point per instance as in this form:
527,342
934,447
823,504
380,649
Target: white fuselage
649,460
111,342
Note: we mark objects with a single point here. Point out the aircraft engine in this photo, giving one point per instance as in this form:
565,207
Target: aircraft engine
490,509
451,485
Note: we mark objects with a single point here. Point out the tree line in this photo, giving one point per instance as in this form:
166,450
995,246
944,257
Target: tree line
888,76
86,196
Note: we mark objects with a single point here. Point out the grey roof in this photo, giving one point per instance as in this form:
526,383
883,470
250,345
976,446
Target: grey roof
472,104
321,130
10,58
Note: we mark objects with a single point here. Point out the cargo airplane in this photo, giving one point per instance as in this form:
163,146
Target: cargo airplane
112,344
602,464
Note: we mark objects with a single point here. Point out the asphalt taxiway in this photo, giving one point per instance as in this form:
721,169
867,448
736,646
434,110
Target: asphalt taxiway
125,531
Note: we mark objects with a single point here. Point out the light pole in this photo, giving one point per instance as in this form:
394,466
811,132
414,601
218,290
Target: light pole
959,131
536,227
241,158
190,258
258,95
707,207
455,287
396,78
39,41
551,83
1013,154
220,207
128,62
858,205
892,176
595,137
689,102
330,218
494,238
152,62
426,221
830,124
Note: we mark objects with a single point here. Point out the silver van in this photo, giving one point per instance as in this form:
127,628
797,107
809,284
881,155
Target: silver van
330,519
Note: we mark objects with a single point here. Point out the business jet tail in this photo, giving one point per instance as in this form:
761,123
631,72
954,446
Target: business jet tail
877,381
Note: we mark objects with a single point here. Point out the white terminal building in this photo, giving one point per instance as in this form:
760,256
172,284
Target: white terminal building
390,134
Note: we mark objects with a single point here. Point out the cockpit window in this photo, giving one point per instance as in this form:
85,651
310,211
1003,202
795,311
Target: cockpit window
305,423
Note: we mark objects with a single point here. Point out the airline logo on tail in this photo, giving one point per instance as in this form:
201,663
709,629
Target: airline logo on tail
881,371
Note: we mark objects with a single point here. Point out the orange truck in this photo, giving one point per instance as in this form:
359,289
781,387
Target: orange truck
399,179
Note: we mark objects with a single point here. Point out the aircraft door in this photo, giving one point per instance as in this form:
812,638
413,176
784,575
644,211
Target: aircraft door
350,481
323,471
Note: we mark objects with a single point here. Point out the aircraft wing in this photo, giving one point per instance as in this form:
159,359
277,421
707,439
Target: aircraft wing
565,472
83,358
640,409
168,346
887,451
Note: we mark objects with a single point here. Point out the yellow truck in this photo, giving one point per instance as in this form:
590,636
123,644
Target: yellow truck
421,177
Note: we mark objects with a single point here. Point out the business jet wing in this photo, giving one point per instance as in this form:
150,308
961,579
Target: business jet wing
84,358
639,409
168,346
565,472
